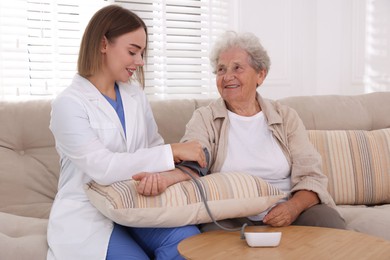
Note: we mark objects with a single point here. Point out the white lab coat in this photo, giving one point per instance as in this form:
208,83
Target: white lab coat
92,146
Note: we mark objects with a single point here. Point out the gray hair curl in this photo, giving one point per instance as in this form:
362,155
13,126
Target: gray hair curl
258,57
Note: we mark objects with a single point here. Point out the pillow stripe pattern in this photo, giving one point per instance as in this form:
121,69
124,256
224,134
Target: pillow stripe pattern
220,186
357,164
229,195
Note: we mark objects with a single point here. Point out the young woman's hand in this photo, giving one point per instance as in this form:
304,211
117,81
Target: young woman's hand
189,151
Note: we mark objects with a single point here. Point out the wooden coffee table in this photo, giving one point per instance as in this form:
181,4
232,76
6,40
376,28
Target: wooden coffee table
297,242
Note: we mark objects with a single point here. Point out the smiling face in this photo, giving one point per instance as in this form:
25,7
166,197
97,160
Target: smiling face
237,80
123,55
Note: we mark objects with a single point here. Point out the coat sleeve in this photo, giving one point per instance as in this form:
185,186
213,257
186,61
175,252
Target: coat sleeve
306,162
77,141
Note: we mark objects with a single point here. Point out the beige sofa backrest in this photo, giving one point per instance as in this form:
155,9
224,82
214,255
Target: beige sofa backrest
326,112
28,160
29,165
336,112
172,116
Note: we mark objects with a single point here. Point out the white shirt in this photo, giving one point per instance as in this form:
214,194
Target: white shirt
253,149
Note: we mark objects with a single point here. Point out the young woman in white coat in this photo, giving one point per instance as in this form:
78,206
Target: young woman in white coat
105,131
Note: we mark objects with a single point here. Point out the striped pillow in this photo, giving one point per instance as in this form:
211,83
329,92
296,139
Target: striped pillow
229,195
357,164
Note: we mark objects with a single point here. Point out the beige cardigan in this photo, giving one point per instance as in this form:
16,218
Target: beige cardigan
210,126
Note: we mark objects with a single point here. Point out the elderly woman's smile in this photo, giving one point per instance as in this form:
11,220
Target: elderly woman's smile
237,81
232,86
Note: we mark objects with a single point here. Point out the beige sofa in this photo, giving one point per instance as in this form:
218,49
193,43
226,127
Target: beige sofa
29,164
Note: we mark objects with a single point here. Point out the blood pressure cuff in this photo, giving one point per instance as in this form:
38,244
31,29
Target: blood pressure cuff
195,166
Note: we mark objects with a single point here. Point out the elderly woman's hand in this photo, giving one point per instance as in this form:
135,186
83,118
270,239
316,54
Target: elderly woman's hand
282,214
152,184
285,213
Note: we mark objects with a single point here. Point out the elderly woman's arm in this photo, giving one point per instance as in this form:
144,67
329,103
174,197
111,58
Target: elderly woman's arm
308,183
152,184
306,162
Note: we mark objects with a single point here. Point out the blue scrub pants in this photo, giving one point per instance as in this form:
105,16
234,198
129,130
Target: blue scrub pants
147,243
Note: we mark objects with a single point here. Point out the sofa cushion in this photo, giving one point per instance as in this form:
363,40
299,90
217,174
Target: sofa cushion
22,237
373,220
357,164
229,195
29,165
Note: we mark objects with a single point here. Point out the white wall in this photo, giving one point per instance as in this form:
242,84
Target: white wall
377,76
316,46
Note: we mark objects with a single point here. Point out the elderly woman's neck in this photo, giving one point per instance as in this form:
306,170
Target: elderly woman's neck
244,108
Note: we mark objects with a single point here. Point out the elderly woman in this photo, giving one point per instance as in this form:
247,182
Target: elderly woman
242,131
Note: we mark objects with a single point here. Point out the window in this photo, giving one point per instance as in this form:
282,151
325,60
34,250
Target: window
39,42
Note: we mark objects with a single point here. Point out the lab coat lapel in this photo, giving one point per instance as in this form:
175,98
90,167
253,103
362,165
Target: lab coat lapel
130,108
106,107
96,98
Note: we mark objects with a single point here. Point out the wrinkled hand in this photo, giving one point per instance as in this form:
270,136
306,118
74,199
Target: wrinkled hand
151,184
189,151
282,214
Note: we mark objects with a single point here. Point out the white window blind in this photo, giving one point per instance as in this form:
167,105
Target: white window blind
13,47
53,36
40,41
41,45
181,34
